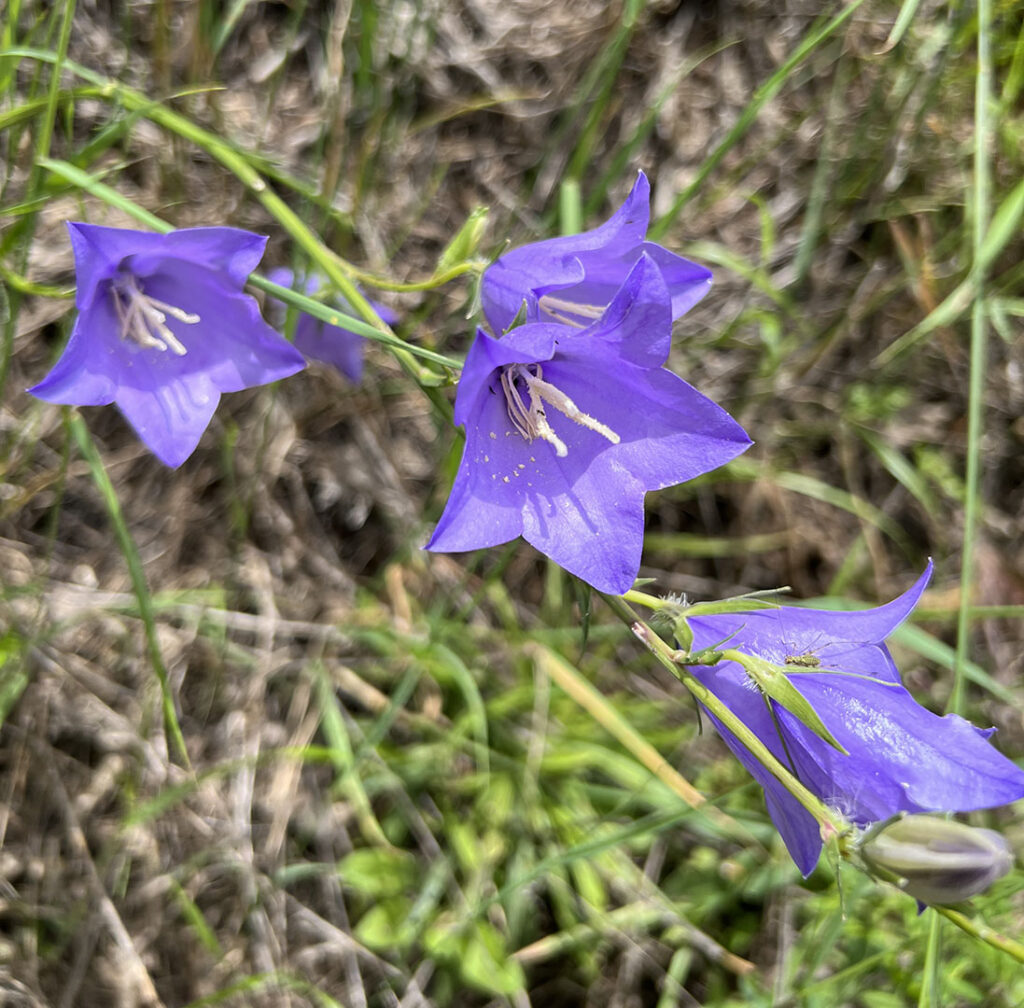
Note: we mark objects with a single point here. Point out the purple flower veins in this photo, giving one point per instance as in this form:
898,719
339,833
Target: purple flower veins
163,329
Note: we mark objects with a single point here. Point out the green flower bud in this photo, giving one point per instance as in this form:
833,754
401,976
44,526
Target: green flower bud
466,241
936,860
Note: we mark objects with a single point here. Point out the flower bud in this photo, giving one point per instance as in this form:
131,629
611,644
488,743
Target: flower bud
937,860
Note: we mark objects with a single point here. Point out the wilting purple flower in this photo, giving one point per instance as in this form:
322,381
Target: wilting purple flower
566,429
333,345
901,756
163,329
573,279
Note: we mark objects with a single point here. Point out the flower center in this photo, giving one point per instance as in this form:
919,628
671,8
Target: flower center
569,312
530,420
144,318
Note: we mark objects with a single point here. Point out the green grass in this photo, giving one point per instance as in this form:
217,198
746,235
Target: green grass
257,747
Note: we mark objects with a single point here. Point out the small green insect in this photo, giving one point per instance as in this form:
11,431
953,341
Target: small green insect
807,660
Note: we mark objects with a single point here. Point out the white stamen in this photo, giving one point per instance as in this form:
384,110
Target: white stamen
144,318
556,307
531,421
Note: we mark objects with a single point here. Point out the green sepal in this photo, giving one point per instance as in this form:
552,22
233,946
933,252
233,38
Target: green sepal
643,582
742,603
773,681
465,243
519,320
683,634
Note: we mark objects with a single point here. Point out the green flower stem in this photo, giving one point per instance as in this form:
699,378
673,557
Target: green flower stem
651,602
831,824
138,578
980,930
432,282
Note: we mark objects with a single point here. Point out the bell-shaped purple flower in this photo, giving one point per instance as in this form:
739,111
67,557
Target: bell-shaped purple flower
573,279
340,348
164,328
566,429
901,757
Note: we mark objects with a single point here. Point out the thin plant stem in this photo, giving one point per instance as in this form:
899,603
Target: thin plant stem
981,931
976,386
931,993
43,140
87,447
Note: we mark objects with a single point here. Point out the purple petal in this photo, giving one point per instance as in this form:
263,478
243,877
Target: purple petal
514,279
99,252
168,398
387,314
583,508
901,756
687,282
483,508
588,518
231,342
669,432
860,625
169,415
589,269
583,511
87,372
797,827
850,641
626,228
282,276
229,251
560,263
637,324
528,344
333,345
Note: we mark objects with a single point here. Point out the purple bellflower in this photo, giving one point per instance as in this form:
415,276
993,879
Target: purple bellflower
333,345
567,428
573,279
901,757
163,329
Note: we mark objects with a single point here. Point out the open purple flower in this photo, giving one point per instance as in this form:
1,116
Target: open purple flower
333,345
573,279
901,757
566,429
163,329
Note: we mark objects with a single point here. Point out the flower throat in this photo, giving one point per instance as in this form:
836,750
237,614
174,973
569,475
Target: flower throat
530,420
143,318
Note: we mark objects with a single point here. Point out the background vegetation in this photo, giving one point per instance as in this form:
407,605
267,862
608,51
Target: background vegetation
421,779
